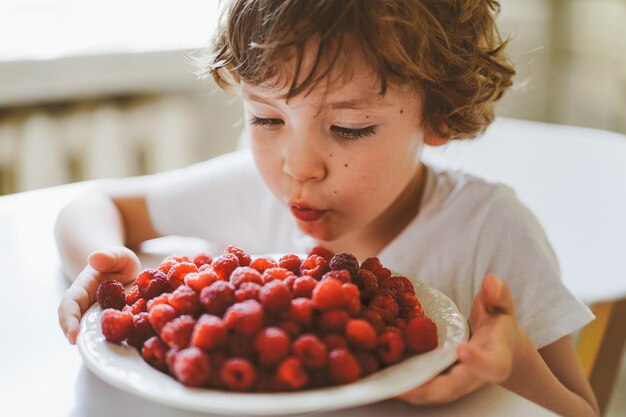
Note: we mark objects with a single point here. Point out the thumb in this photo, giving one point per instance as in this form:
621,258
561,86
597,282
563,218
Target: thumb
118,259
496,296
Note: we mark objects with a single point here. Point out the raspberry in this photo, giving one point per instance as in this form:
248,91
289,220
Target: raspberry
217,297
177,332
390,347
345,261
291,327
159,315
400,323
289,281
373,265
198,280
314,266
245,317
170,356
271,274
116,325
333,321
408,284
321,251
261,264
343,367
185,301
142,330
248,291
290,262
367,283
167,263
342,275
224,265
311,351
409,306
301,311
159,299
151,282
217,362
272,344
394,284
334,341
209,332
368,362
353,299
374,318
242,256
132,295
386,306
110,294
303,286
238,374
139,307
420,334
192,367
328,295
243,274
360,334
290,374
176,274
275,297
202,259
154,352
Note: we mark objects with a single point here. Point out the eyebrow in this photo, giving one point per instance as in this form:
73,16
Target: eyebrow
357,103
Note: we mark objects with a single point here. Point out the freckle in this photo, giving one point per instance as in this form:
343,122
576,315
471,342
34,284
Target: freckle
335,192
331,155
345,165
401,111
367,117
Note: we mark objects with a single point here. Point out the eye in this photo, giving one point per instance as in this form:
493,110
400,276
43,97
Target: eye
269,122
348,133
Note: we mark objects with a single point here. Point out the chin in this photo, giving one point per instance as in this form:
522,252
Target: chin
318,232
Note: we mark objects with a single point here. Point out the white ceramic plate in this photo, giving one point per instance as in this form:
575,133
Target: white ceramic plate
123,367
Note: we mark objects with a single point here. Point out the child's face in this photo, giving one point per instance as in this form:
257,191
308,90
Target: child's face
345,159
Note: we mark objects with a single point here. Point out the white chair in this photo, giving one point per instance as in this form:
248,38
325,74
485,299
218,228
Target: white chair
574,180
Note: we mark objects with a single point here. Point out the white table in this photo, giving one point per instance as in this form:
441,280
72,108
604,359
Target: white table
41,374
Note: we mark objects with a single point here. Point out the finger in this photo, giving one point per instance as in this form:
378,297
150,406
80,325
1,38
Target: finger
69,314
496,296
119,260
487,365
444,388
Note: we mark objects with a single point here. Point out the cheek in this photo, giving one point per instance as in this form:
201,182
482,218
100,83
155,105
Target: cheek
267,161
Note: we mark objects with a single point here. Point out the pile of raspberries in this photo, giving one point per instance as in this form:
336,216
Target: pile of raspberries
261,325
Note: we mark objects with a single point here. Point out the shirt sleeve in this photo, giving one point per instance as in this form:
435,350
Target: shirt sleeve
514,246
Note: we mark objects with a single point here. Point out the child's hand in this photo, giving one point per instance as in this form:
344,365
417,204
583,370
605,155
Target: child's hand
486,357
118,263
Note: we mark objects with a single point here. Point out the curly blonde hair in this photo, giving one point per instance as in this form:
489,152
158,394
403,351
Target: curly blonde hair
449,50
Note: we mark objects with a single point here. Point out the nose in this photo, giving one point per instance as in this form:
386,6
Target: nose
303,158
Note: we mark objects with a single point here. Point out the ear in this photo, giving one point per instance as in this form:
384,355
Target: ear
433,139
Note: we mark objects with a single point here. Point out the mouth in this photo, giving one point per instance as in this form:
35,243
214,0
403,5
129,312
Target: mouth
305,213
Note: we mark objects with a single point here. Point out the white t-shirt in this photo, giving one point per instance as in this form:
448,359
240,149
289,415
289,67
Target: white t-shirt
466,228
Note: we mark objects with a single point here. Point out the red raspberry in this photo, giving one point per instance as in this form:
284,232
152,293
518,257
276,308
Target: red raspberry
271,274
245,317
420,334
328,295
177,332
335,341
110,294
170,356
159,315
390,347
248,291
198,280
409,306
132,295
353,299
291,327
301,311
290,262
242,256
192,367
176,274
217,297
159,299
289,281
351,290
374,318
345,261
321,251
217,363
202,259
238,374
272,344
361,334
116,325
368,362
303,286
394,284
343,367
314,266
224,265
373,265
170,261
243,274
139,307
400,324
209,332
151,282
386,306
367,283
185,301
154,352
408,284
275,297
342,275
261,264
290,374
311,351
333,321
142,330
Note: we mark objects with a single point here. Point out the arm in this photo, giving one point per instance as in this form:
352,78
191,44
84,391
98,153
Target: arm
499,352
92,233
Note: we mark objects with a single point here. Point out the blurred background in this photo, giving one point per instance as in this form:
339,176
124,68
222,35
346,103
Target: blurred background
94,88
